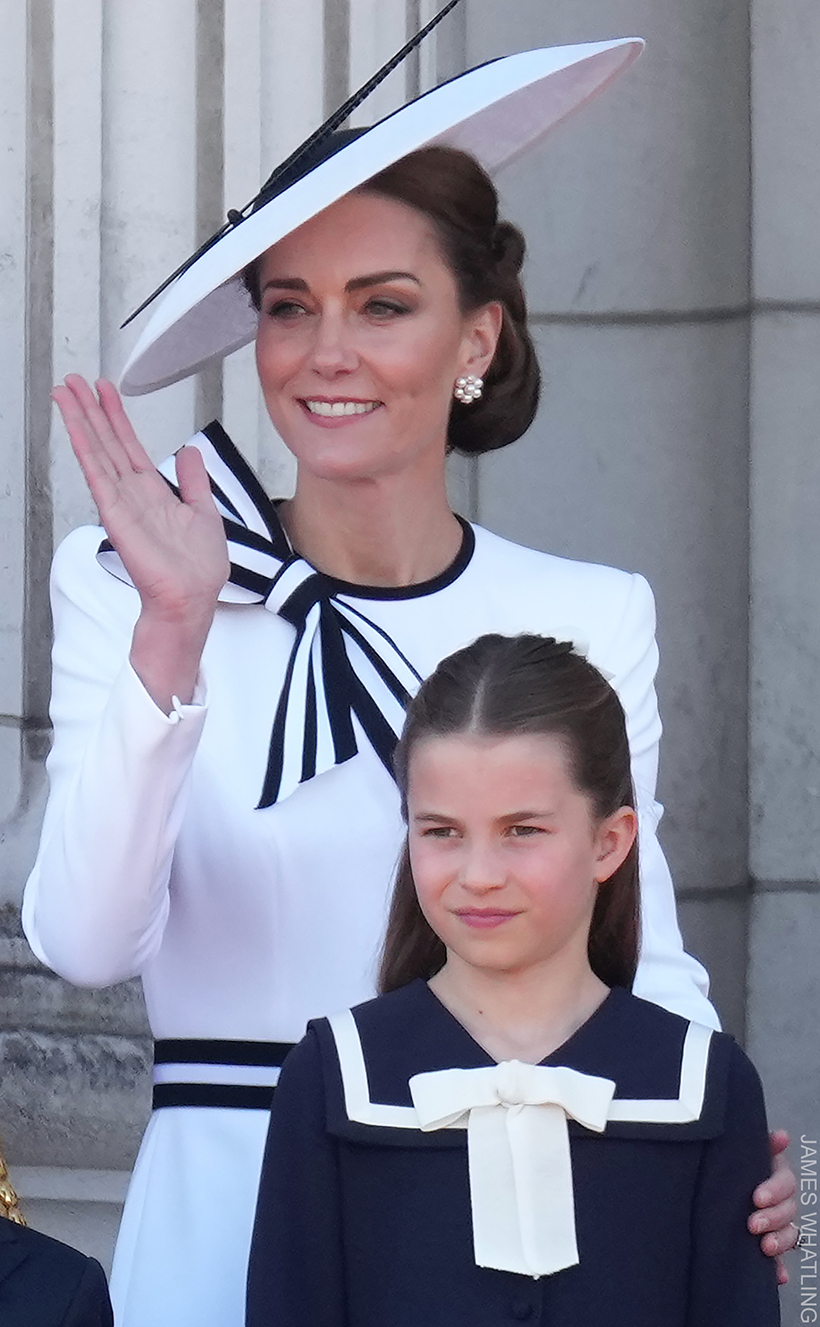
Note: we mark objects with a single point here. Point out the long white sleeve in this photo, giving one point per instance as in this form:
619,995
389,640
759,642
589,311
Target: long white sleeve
667,975
96,902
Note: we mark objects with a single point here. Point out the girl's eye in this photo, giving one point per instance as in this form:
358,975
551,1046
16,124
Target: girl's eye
524,831
439,832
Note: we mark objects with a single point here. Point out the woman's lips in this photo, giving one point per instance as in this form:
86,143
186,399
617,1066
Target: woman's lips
336,413
484,918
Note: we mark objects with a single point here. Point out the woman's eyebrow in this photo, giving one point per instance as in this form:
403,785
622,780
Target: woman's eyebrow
378,279
285,283
357,283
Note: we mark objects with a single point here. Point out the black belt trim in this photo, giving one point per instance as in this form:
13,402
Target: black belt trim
232,1096
200,1050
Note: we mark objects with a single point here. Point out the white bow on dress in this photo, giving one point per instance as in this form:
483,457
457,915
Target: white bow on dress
519,1155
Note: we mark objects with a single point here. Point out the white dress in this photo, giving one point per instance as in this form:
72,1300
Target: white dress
242,923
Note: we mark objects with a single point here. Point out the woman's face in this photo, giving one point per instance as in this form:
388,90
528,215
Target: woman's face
361,339
506,853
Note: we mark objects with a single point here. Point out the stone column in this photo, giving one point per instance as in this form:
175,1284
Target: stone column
784,975
637,219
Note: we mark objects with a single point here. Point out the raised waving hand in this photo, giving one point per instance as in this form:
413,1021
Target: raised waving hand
173,548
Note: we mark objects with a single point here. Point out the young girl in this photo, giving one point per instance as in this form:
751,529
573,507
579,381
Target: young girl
507,1134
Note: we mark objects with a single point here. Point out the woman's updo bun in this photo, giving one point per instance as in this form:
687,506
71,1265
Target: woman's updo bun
485,256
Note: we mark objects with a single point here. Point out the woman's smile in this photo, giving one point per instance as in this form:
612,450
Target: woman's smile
330,412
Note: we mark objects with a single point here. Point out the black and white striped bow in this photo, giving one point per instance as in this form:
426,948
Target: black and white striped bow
342,669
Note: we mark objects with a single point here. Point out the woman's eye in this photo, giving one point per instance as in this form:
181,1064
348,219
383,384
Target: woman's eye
524,831
439,832
285,309
385,308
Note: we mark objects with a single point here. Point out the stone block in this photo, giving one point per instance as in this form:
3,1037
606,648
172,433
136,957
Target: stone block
638,459
715,930
786,128
149,196
13,350
642,200
785,622
11,759
20,831
74,1064
73,1100
784,996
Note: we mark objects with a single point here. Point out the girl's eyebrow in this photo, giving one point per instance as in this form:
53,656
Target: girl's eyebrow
510,817
528,815
357,282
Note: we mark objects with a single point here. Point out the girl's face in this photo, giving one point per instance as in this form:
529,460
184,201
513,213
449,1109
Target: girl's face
361,339
506,854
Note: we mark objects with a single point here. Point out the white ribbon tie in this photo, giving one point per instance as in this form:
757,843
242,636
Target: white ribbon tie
519,1154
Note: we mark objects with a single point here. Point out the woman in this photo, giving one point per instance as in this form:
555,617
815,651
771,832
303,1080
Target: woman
221,819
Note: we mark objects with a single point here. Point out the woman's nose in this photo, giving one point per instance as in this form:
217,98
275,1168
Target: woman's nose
333,350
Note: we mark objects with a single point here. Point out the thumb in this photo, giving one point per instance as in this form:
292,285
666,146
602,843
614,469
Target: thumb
192,477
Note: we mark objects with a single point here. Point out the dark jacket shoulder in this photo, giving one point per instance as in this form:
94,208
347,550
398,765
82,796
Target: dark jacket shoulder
45,1283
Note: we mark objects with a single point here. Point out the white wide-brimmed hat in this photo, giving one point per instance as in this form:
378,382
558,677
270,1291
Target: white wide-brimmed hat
496,112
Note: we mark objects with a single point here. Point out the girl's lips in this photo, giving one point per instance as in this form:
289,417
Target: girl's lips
484,918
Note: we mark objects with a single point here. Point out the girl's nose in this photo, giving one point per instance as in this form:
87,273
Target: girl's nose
482,869
333,350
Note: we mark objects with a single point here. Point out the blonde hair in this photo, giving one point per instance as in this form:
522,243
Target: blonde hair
9,1202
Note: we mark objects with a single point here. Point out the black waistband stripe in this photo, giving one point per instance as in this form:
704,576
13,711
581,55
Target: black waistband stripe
229,1096
196,1050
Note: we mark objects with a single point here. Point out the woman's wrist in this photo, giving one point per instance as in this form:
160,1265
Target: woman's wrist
166,654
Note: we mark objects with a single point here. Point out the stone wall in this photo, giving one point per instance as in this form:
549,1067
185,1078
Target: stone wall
674,278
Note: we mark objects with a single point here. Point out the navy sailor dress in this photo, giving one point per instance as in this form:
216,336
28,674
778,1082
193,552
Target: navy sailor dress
367,1219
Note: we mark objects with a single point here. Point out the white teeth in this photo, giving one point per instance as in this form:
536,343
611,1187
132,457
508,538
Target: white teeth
329,408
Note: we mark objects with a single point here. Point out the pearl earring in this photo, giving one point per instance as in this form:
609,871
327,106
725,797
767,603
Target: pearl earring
468,389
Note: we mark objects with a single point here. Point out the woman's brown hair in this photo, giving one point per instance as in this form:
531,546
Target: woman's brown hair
485,256
505,686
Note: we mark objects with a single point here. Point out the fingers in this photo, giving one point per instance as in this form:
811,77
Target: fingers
778,1141
775,1196
111,404
775,1199
97,465
778,1242
782,1273
779,1187
99,428
776,1217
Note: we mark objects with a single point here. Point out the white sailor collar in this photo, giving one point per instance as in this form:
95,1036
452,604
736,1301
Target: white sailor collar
669,1074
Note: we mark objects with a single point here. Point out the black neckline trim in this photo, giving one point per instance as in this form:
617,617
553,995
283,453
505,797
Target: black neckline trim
459,564
267,509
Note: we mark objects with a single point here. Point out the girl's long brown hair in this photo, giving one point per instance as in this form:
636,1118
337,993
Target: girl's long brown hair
506,686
